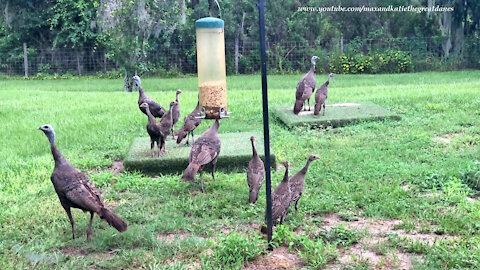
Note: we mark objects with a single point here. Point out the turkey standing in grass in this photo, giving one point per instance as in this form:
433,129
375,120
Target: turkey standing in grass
281,198
156,109
166,125
321,96
305,88
74,189
297,182
204,151
153,130
255,174
190,123
176,111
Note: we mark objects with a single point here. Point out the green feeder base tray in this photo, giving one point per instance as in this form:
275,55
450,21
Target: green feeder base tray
336,115
236,152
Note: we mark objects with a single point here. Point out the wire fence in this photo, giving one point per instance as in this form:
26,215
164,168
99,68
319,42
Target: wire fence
242,57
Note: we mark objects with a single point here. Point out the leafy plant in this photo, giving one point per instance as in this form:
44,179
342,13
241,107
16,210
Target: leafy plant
234,249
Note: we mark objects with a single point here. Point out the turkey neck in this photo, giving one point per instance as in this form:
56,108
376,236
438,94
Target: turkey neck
177,98
151,118
312,69
253,149
57,156
304,169
285,176
216,125
168,114
140,91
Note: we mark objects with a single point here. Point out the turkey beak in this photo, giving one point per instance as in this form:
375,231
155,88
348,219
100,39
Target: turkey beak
39,128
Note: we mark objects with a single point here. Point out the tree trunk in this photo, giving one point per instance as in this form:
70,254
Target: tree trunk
236,52
446,29
128,81
25,59
105,62
184,13
431,4
79,65
238,36
341,43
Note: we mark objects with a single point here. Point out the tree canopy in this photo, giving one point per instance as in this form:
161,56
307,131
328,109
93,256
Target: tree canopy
149,35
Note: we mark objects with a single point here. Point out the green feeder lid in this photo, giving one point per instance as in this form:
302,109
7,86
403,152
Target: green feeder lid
209,22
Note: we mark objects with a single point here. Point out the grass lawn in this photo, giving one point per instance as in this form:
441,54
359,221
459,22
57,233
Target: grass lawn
389,194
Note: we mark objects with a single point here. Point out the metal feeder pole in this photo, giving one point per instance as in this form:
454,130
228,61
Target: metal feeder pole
266,132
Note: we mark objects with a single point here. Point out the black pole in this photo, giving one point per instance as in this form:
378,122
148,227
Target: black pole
266,132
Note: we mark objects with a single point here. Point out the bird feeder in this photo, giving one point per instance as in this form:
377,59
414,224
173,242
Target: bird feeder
212,75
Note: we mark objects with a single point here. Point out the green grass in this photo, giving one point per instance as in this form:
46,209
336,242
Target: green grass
236,152
363,169
336,115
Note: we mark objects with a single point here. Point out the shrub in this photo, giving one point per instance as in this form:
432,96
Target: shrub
390,61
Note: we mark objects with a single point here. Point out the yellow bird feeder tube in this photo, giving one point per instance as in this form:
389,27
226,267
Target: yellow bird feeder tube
212,76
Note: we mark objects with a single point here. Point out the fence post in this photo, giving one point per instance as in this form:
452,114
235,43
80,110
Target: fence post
25,59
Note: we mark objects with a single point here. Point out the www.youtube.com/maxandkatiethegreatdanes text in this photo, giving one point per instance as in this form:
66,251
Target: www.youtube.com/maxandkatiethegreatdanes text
389,8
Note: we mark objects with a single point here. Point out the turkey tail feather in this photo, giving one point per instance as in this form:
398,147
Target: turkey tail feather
113,220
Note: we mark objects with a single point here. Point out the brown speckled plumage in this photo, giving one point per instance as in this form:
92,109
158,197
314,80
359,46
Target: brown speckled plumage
190,123
281,198
305,88
154,131
255,174
74,189
204,151
297,182
156,109
321,96
176,111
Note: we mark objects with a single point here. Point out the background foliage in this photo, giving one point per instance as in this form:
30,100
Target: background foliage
158,37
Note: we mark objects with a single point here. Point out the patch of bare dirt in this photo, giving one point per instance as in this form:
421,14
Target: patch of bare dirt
378,229
82,253
359,253
170,237
116,167
279,258
367,250
242,227
447,137
74,251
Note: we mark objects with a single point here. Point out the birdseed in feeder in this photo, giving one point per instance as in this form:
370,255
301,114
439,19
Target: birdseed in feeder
213,96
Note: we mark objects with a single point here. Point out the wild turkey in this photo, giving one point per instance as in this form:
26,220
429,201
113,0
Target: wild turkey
321,96
156,109
176,111
74,189
255,174
281,197
190,123
297,182
305,88
153,130
204,151
166,125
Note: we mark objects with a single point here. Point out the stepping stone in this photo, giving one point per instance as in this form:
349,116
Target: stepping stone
336,115
235,154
